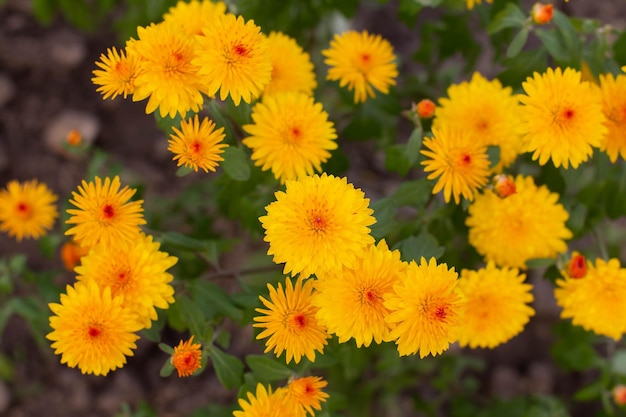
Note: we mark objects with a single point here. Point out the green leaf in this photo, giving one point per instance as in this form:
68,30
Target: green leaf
591,392
44,10
568,33
236,164
208,293
423,245
540,262
517,43
229,369
573,347
192,314
551,40
183,171
167,368
384,212
396,159
166,348
509,17
618,363
493,154
408,10
268,369
413,193
414,145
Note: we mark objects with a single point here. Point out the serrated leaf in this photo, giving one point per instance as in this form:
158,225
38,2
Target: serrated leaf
517,43
229,369
236,164
268,369
423,245
509,17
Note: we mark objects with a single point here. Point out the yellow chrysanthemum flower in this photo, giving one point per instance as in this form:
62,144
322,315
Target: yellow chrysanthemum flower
350,300
292,69
527,224
485,111
233,58
103,213
291,135
470,3
319,223
426,309
361,61
307,393
597,301
27,210
92,330
192,16
167,77
614,107
497,305
562,117
264,403
187,357
290,322
197,145
137,271
458,162
117,73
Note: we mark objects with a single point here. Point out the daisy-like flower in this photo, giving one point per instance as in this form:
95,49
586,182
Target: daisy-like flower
426,309
562,117
192,16
167,77
264,403
350,300
116,74
290,323
307,393
470,3
103,213
27,210
92,330
458,162
597,301
197,145
614,107
291,135
292,69
137,271
187,357
233,58
361,61
527,224
319,223
497,305
487,112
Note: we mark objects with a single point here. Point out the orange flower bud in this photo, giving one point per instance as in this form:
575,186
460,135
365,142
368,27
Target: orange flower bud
541,13
187,357
74,138
577,266
425,109
504,185
71,254
619,395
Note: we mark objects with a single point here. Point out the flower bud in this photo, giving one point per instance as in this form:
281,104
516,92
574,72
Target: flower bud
541,13
504,185
425,109
577,266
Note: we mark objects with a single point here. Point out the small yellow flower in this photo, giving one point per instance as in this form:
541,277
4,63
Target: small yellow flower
197,145
361,61
116,74
307,393
292,69
27,210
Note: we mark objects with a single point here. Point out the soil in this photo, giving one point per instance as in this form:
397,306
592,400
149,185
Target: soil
45,72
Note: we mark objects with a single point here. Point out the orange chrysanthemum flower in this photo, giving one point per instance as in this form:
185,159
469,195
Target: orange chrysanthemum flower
197,145
187,357
27,210
116,74
307,393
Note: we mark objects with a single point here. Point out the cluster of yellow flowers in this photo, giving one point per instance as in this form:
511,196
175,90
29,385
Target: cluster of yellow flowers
121,280
300,397
199,50
350,287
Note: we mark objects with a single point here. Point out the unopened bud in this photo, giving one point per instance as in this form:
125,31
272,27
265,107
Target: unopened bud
577,266
504,185
74,138
425,109
619,395
541,13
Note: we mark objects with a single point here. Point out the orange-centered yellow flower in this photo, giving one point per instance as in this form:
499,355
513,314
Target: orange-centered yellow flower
27,210
187,357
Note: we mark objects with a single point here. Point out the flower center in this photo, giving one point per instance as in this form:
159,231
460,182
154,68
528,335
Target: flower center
440,313
241,50
108,211
93,331
369,297
195,147
465,159
294,134
298,321
23,210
